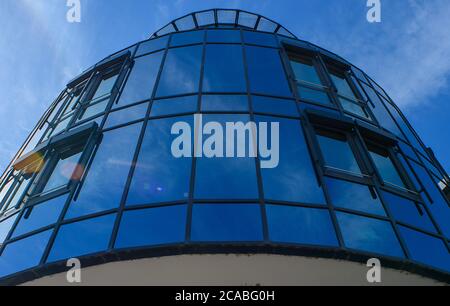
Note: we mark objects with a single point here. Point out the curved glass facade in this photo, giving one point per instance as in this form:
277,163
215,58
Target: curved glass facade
98,176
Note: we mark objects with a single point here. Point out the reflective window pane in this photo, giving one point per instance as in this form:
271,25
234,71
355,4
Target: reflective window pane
369,235
342,86
126,115
353,108
353,196
141,80
173,106
294,178
426,249
152,45
105,181
66,169
301,225
406,211
159,176
224,103
224,69
305,71
258,38
313,95
226,222
82,238
266,72
40,216
181,73
187,38
216,178
224,36
274,106
385,166
153,226
105,87
5,227
23,254
337,152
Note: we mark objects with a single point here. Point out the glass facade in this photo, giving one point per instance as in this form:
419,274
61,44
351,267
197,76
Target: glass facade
98,174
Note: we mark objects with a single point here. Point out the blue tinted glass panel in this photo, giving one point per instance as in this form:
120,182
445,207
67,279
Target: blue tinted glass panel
226,222
187,38
262,39
181,73
174,106
301,225
337,153
153,226
126,115
64,170
353,108
105,181
386,168
224,36
226,178
369,235
224,103
353,196
160,176
23,254
305,72
152,45
406,211
5,227
409,171
313,95
294,178
342,86
266,72
224,69
274,106
439,208
426,249
82,238
41,215
141,80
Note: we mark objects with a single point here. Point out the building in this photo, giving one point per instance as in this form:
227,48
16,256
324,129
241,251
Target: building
97,180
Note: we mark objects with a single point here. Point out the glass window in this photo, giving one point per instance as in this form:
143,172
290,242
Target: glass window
353,108
61,126
301,225
369,235
181,73
216,178
266,72
5,227
82,238
23,254
259,38
224,36
105,86
224,103
353,196
94,109
224,69
439,208
205,18
173,106
342,86
226,16
67,168
408,212
247,19
337,152
305,71
105,181
4,191
426,249
385,165
141,80
226,222
187,38
152,45
155,226
126,115
160,176
294,179
15,198
40,216
312,95
274,106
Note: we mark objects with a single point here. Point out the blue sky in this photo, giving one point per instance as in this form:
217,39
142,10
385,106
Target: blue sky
408,53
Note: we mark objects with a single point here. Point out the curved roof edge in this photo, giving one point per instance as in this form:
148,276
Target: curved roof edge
230,18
